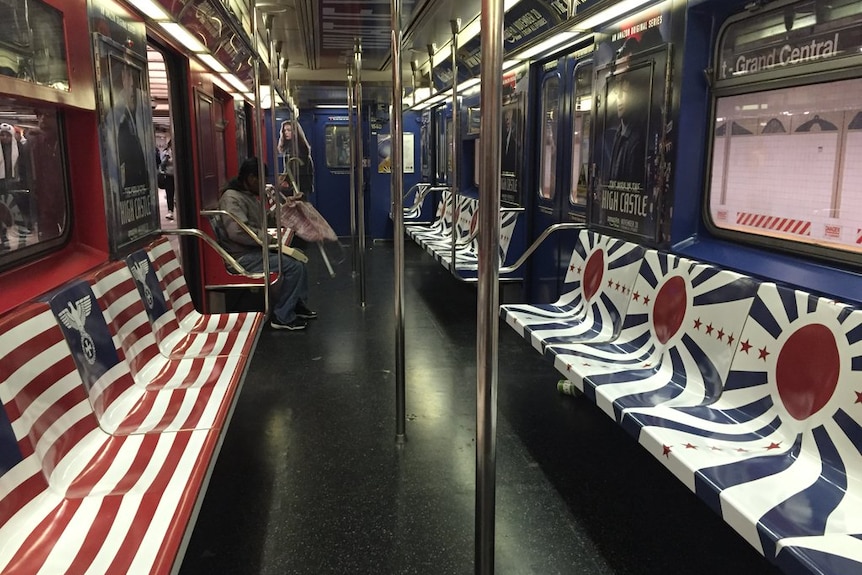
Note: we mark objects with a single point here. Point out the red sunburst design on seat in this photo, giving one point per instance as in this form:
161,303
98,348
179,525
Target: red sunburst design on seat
807,370
669,309
593,274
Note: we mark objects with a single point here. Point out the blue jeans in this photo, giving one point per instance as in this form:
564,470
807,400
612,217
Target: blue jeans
293,287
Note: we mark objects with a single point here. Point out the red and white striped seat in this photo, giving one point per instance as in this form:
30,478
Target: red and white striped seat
73,498
173,341
124,404
170,275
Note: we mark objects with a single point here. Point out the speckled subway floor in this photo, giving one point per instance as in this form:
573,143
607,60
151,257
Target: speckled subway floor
310,479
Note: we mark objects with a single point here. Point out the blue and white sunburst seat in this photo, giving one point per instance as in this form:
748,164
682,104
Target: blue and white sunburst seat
676,343
820,554
599,282
467,258
441,225
170,276
779,455
462,229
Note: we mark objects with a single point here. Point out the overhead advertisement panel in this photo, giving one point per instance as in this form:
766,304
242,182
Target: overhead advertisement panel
529,19
442,74
523,23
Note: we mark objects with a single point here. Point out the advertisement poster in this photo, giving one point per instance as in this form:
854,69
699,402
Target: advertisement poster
632,137
384,154
128,144
512,144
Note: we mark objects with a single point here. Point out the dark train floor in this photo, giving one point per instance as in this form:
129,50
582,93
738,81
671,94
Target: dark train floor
311,481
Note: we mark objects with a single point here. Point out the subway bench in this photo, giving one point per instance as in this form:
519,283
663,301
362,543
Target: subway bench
749,392
116,394
437,238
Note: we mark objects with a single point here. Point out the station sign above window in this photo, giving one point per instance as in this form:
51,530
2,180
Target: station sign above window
784,39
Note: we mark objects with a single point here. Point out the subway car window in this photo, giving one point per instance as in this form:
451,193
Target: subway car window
34,202
581,124
548,158
32,46
337,147
785,162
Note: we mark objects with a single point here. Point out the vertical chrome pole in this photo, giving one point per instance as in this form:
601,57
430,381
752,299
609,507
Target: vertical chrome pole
273,70
360,162
489,268
261,174
351,121
397,133
414,67
456,135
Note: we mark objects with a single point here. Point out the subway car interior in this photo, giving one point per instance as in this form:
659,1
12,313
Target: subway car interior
431,287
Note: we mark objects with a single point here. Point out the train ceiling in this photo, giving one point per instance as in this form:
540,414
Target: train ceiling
318,37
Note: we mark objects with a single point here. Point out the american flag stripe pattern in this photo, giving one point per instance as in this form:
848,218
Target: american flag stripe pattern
170,275
173,341
599,280
188,393
73,498
778,453
676,343
124,405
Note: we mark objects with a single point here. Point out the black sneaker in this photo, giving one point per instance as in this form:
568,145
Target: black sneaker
296,325
302,311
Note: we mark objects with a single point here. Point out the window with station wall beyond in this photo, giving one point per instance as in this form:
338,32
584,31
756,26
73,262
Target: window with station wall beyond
548,157
337,147
581,124
34,204
785,166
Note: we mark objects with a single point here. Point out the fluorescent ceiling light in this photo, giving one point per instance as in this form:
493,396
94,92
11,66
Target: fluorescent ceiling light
183,37
442,54
466,85
422,93
213,64
331,106
555,42
470,31
509,64
151,9
610,13
236,83
218,81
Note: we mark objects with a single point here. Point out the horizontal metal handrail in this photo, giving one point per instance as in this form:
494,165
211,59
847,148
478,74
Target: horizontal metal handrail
421,194
214,245
535,245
